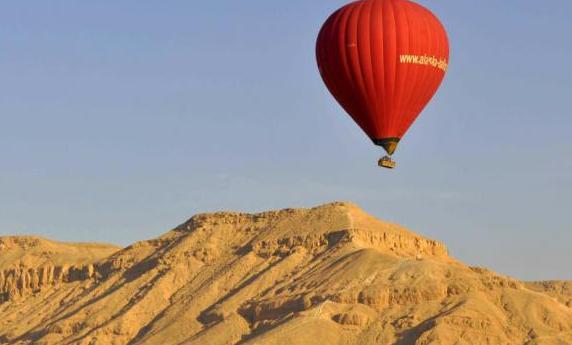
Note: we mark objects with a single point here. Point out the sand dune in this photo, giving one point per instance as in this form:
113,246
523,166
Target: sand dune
327,275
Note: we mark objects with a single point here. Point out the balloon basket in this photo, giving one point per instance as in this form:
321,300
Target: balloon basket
387,162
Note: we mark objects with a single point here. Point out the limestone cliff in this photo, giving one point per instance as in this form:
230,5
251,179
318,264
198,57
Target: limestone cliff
327,275
29,264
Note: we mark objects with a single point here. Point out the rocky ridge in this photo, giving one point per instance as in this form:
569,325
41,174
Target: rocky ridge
328,275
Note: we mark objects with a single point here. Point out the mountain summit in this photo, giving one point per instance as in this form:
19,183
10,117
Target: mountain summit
327,275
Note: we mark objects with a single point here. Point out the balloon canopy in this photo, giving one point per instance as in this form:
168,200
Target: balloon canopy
383,61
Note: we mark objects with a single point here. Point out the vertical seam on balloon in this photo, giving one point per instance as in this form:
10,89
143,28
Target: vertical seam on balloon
372,69
383,68
339,37
341,44
420,100
437,31
386,64
433,81
366,69
336,80
398,77
332,79
356,67
381,78
371,79
427,75
396,41
402,26
405,119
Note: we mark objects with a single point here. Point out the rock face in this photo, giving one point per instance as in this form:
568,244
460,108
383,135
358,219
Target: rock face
328,275
30,264
559,290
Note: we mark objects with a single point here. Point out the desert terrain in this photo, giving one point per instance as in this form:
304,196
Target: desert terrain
327,275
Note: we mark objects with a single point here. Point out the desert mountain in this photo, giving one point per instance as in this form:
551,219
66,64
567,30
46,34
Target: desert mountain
327,275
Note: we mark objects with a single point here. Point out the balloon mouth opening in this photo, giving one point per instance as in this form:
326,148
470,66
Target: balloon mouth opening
388,144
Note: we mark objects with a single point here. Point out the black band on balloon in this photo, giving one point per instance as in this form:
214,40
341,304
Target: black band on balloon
384,142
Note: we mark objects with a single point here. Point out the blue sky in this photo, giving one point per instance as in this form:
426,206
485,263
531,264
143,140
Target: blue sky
121,119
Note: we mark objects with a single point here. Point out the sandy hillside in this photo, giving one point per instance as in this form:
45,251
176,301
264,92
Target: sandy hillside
328,275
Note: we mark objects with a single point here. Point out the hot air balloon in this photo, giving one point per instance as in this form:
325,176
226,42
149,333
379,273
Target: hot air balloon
383,61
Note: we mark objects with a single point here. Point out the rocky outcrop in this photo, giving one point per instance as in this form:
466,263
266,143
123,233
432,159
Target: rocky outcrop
327,275
29,265
560,290
21,282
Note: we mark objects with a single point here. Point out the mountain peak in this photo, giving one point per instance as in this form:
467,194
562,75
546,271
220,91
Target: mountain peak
325,275
314,228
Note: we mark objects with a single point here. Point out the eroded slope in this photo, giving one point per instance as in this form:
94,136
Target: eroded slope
328,275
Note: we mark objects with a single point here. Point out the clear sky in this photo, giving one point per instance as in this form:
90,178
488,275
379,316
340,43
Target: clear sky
121,119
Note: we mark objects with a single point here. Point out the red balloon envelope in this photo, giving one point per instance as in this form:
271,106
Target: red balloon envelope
383,60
